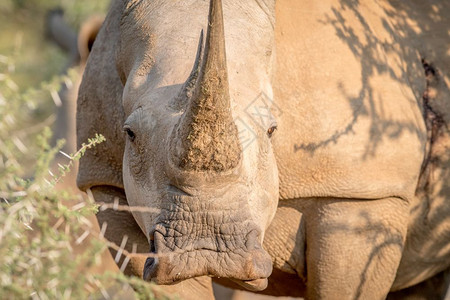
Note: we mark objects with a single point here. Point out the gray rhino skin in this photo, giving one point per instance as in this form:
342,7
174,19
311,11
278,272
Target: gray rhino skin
347,199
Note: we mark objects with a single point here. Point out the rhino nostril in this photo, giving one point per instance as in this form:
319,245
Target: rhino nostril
152,247
149,264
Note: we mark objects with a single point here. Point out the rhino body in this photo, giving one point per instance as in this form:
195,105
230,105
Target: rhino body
216,114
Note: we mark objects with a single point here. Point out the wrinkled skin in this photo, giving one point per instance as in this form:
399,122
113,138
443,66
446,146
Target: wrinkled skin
359,162
231,218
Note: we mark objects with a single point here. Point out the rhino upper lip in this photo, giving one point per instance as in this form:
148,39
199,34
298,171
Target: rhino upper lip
254,285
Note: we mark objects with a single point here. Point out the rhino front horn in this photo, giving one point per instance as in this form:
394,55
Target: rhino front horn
207,135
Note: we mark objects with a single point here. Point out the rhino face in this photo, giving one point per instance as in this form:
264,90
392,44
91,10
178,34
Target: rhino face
212,195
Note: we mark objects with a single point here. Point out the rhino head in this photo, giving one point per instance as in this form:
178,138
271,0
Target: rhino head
213,195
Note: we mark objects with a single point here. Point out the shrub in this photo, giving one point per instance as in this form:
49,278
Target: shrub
41,226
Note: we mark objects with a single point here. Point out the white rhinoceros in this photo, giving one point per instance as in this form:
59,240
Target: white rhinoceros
208,132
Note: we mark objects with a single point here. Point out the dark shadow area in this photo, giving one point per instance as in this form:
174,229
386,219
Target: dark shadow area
434,288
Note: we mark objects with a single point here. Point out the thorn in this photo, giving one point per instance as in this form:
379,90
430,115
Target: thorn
82,237
103,230
116,203
56,98
90,195
122,246
65,154
79,206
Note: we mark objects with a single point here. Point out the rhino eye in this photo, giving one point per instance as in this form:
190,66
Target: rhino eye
129,133
271,130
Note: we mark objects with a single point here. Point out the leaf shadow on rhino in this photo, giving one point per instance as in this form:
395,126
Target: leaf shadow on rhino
380,235
363,43
413,25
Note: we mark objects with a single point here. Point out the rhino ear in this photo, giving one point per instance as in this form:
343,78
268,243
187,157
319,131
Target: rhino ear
87,35
99,109
58,31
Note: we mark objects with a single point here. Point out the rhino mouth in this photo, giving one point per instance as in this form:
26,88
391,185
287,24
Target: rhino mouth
248,264
193,238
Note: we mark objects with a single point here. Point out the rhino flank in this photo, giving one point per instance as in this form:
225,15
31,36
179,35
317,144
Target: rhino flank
307,156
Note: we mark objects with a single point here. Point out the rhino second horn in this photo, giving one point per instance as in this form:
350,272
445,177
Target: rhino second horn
208,135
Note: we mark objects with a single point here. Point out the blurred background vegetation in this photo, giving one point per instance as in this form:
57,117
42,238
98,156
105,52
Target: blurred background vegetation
42,229
30,58
23,35
30,62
